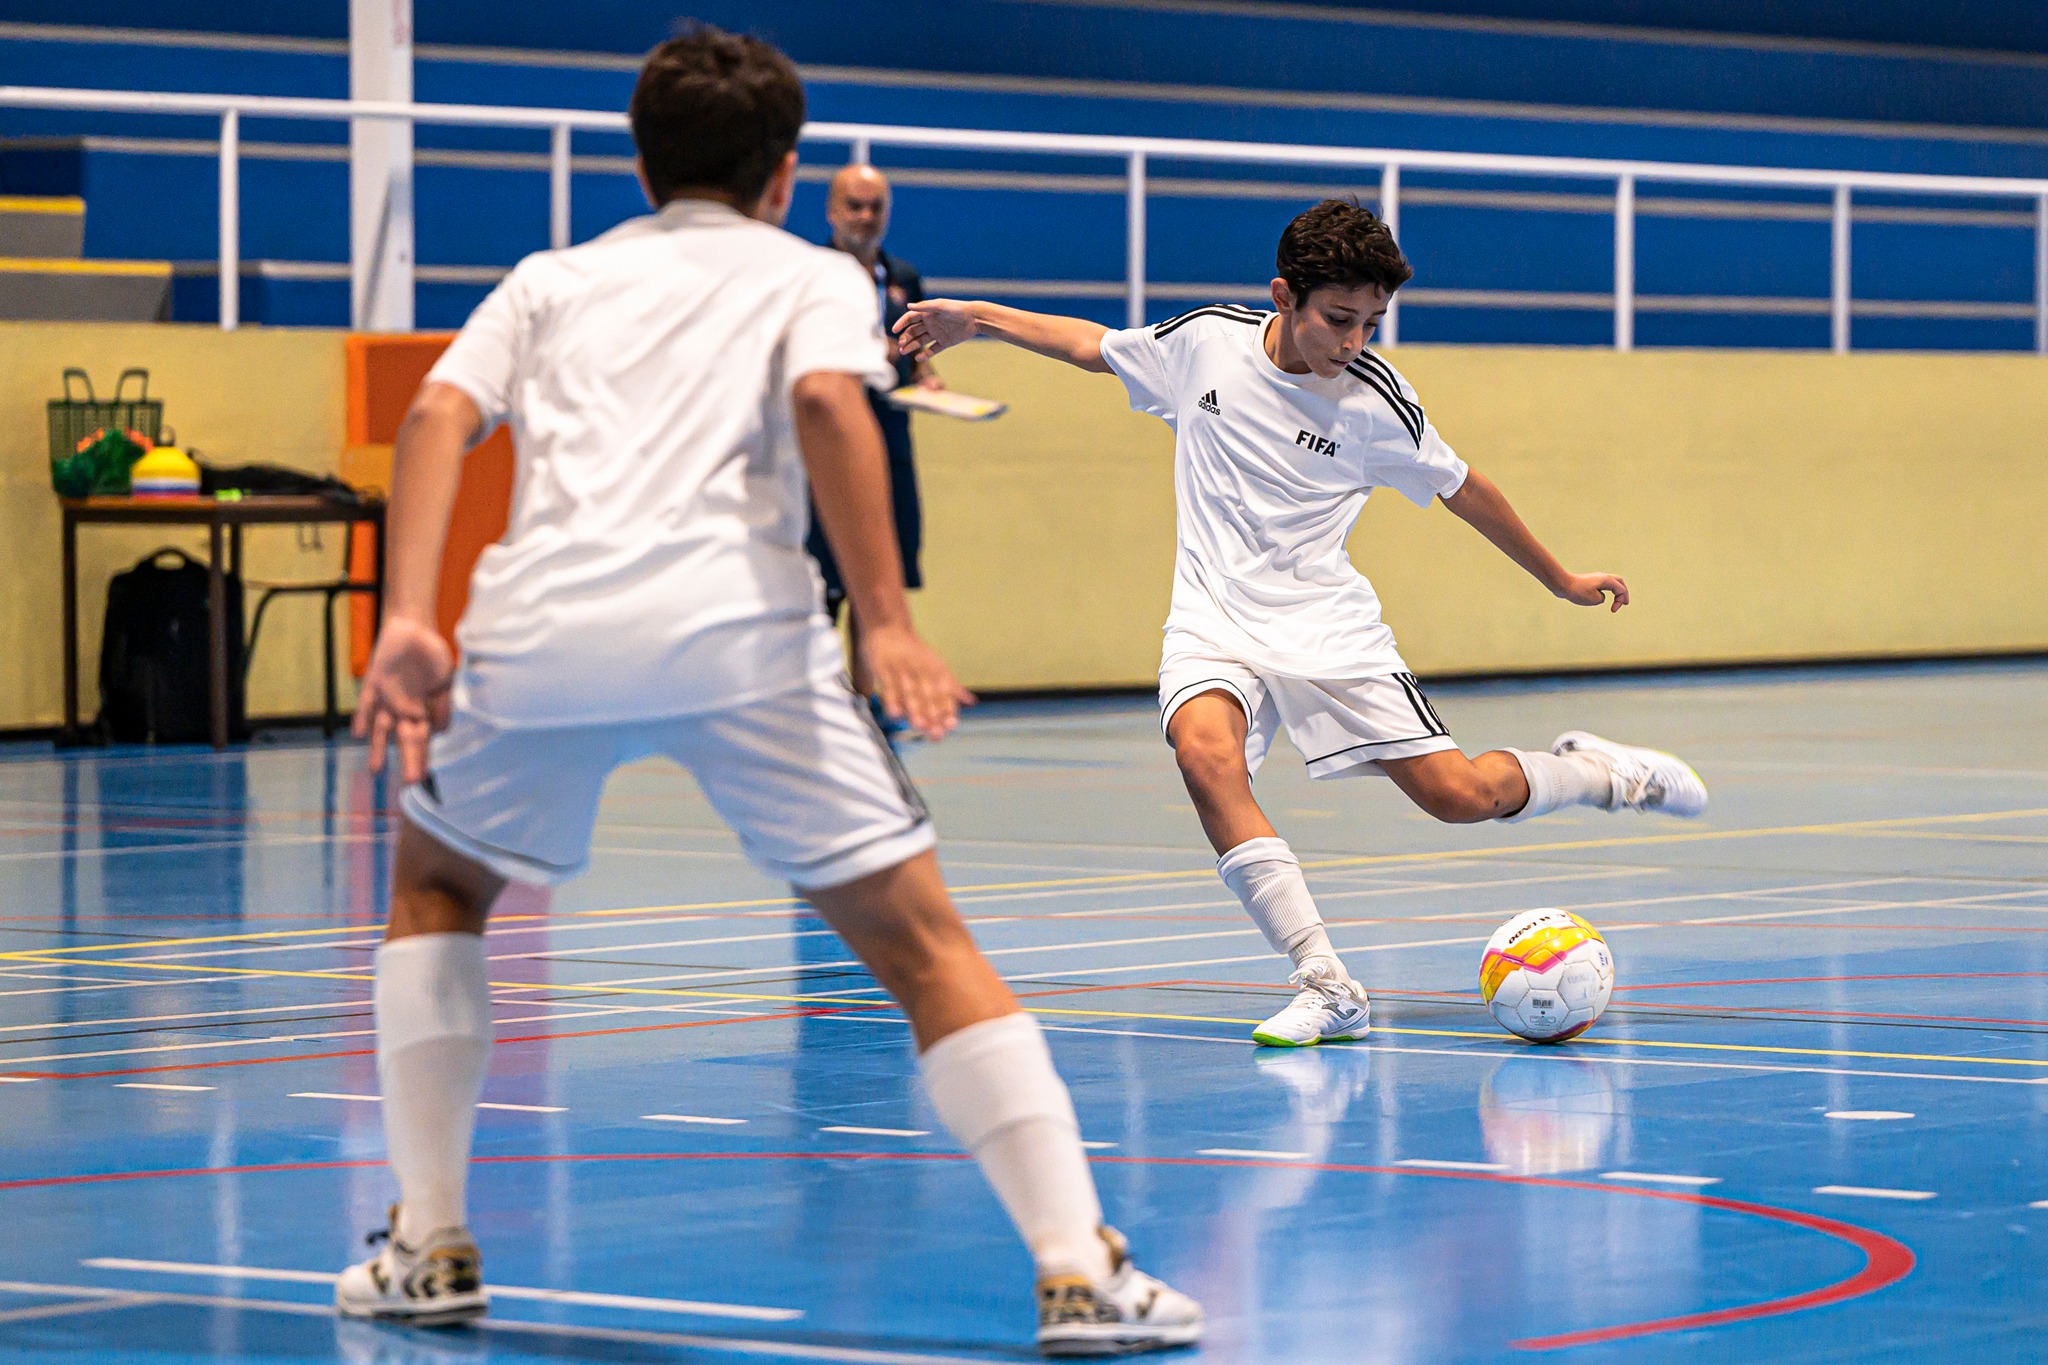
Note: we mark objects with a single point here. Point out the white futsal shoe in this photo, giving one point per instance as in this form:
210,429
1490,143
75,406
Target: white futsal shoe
1330,1008
1644,779
1124,1314
441,1281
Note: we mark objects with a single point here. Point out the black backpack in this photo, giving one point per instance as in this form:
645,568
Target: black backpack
153,684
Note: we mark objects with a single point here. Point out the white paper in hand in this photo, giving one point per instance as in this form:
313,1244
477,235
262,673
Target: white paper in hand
946,403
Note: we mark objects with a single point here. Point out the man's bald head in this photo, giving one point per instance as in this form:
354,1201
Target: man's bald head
857,207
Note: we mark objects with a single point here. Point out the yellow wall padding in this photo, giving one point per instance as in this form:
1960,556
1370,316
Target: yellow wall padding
1761,505
260,395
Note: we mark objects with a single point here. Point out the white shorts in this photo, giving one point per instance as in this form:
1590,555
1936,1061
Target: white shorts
1341,728
803,777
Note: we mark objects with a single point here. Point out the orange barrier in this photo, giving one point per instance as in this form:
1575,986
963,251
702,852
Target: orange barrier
383,374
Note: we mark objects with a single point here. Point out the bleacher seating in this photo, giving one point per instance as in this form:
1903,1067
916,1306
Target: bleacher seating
1498,259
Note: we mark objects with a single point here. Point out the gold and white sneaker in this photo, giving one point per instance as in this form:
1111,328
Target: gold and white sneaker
1644,779
1329,1008
1127,1313
438,1282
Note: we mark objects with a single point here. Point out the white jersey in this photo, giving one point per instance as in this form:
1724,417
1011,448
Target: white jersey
1270,473
654,563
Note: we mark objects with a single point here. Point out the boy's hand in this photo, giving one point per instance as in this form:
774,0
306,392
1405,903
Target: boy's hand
914,682
933,325
1592,589
405,694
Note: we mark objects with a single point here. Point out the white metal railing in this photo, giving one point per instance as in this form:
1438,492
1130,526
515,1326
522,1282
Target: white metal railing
1136,154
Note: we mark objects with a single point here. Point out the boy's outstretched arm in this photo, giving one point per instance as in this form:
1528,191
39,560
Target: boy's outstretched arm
933,325
1485,508
404,695
849,472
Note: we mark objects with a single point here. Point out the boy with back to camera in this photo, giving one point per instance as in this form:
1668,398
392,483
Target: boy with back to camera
669,385
1284,422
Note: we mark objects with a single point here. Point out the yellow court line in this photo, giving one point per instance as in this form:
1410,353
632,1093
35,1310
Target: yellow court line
1127,1014
1107,879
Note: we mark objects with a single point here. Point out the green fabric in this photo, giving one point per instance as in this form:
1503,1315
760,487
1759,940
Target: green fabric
100,468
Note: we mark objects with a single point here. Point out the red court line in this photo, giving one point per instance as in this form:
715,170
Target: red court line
1886,1260
1812,980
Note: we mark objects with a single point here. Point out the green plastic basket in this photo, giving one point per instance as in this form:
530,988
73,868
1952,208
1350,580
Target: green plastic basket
90,449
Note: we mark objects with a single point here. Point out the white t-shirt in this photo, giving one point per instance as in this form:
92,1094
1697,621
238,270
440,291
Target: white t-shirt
654,564
1270,472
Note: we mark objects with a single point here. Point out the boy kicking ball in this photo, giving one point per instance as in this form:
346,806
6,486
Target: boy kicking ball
1283,423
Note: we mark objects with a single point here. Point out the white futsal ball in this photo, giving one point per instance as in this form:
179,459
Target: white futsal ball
1546,975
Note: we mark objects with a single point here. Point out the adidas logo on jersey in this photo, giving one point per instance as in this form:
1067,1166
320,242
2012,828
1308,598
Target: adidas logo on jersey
1207,403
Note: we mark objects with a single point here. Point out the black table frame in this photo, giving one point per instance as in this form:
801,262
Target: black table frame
223,521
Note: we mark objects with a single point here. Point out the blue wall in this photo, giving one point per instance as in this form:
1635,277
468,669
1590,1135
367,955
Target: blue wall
157,203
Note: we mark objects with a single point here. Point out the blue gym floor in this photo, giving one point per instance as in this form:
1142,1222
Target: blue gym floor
1810,1127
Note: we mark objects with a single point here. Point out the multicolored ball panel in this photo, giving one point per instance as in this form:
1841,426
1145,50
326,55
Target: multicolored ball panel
1538,948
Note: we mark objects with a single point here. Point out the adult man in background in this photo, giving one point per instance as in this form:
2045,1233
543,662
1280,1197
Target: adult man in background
857,207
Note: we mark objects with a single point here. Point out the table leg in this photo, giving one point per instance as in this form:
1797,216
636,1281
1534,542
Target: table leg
217,637
377,524
71,735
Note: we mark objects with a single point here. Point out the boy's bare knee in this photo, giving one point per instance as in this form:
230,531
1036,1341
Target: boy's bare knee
1206,760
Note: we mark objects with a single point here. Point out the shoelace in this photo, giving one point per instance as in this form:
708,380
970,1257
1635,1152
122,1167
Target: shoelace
1333,989
1633,781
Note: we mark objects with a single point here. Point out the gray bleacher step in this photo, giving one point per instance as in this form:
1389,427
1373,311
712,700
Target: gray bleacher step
49,227
55,290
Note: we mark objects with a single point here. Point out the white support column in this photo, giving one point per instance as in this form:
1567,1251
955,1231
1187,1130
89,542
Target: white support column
1134,242
380,168
858,152
559,168
1838,293
230,221
1625,263
1390,214
2041,275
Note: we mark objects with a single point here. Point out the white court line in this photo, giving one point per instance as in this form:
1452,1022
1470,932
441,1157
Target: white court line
688,1118
1873,1114
1554,1056
155,1085
1253,1153
18,1080
610,1011
524,1108
1431,1164
1868,1192
1657,1178
693,1307
181,1018
1097,1146
878,1132
196,846
69,1310
328,1095
2039,1204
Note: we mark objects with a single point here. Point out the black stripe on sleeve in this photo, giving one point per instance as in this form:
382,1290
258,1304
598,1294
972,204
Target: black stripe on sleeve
1409,423
1230,311
1375,361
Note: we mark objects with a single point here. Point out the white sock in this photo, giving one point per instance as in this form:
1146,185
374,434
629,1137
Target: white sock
1266,878
994,1087
433,1002
1560,780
